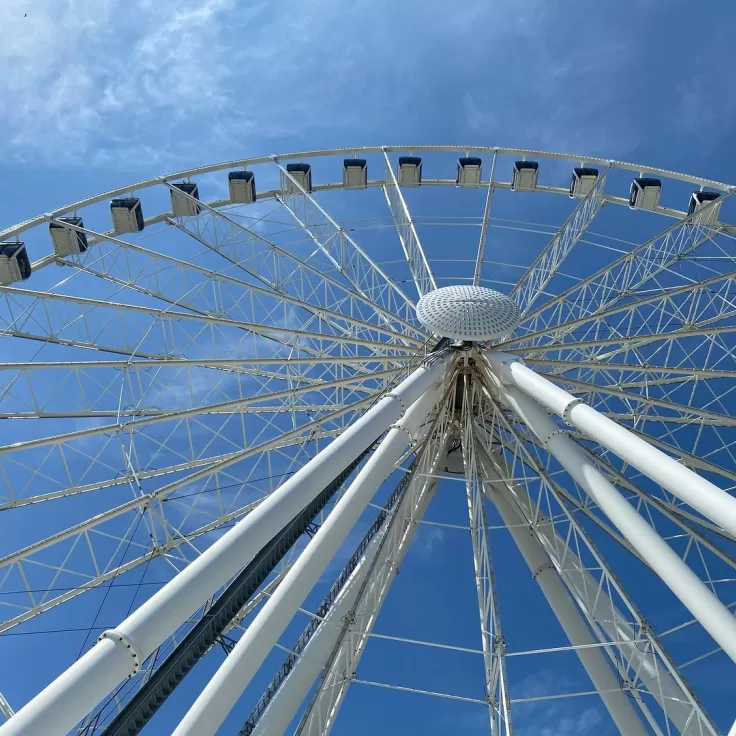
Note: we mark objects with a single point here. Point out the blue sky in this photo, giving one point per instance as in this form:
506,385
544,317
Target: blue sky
98,93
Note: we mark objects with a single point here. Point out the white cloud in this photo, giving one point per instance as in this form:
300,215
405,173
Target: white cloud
555,717
82,72
172,83
427,539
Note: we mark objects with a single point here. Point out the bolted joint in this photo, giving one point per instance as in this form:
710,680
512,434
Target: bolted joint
568,408
122,641
412,439
541,569
401,403
546,440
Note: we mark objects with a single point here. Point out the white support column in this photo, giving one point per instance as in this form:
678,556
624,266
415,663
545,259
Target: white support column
572,622
661,558
687,485
634,649
120,652
223,690
282,709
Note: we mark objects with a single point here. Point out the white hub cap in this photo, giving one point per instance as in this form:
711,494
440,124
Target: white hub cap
470,313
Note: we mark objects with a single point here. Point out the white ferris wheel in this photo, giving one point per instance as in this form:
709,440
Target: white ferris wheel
253,384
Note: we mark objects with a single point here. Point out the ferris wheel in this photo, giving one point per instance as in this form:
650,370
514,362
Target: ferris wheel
254,384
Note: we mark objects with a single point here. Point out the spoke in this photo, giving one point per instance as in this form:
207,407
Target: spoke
203,291
560,366
84,581
340,250
630,342
494,645
128,393
5,708
686,413
47,303
484,223
138,476
412,246
550,259
710,299
225,407
230,363
626,275
284,272
159,505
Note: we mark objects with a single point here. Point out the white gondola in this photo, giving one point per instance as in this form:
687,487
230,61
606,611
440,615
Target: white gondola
14,263
242,186
583,181
645,192
700,202
184,199
526,174
302,175
410,171
66,241
468,171
355,173
127,215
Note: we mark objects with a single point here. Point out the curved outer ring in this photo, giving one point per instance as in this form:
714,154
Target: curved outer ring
16,230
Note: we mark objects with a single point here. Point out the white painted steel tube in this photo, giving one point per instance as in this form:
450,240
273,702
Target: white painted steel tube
704,496
282,709
715,618
223,690
660,683
571,620
77,691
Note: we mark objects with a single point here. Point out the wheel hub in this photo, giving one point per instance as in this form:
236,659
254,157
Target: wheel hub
469,313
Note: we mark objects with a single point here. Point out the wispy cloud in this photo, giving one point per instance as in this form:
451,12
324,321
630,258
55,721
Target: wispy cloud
153,82
426,541
554,717
82,74
164,84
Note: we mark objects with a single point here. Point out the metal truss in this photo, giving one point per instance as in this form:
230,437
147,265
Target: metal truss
594,296
303,664
82,557
412,246
477,271
494,645
5,710
283,271
645,668
339,672
166,383
544,267
219,616
218,294
340,251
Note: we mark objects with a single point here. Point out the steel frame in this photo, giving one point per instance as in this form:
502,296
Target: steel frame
410,242
308,378
339,671
494,644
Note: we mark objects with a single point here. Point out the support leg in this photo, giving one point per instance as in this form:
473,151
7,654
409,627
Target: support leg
121,651
573,624
223,690
694,594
